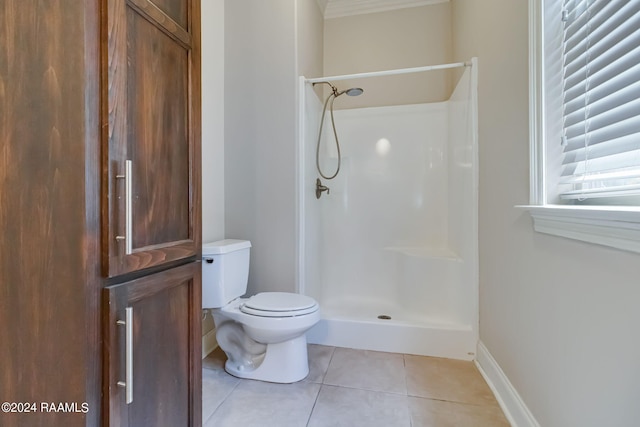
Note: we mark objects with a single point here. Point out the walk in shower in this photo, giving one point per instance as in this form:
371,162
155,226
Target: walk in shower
390,250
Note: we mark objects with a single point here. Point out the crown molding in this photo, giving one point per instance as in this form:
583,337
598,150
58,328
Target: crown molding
340,8
322,4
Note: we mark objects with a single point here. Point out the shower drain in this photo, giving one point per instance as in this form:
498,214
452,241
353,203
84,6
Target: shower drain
384,317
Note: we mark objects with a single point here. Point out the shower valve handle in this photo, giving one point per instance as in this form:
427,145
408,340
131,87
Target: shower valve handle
320,188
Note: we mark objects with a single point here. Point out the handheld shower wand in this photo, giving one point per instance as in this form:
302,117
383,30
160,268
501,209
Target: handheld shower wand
355,91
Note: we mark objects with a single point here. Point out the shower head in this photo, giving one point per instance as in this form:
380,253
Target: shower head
354,91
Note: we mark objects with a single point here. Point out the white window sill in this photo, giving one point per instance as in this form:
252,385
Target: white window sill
617,227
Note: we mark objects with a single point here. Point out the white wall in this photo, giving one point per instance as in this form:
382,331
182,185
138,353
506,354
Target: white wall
212,12
310,38
384,204
212,27
403,38
310,64
259,137
462,165
559,316
261,69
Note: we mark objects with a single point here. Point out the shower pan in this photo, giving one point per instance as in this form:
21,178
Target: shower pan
390,252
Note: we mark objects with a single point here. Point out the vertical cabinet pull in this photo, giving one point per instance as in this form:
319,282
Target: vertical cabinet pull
128,206
128,382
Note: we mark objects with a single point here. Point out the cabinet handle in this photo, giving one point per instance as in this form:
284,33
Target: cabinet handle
128,382
128,206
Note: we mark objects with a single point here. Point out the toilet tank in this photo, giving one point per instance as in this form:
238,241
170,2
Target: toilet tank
225,271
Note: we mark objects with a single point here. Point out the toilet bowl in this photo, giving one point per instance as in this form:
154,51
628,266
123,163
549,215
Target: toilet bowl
263,336
270,345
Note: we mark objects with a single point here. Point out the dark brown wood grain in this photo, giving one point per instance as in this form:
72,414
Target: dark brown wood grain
167,349
179,11
151,116
165,22
49,260
63,106
158,133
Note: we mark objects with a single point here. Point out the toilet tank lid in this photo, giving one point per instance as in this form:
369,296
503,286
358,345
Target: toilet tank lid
224,246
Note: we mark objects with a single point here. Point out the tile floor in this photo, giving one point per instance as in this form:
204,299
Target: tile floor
354,388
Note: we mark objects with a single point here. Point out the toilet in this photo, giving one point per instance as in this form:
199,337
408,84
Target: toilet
263,336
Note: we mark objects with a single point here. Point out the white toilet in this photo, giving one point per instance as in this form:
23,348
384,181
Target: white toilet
263,336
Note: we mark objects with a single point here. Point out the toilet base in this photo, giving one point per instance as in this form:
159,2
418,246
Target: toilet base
285,362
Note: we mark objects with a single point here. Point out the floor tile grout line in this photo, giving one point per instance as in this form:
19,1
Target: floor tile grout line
405,398
368,351
456,402
225,397
324,375
314,405
367,389
405,374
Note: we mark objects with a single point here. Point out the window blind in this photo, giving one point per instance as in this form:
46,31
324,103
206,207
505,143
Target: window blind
601,99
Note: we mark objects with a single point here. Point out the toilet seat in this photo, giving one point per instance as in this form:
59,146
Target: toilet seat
279,304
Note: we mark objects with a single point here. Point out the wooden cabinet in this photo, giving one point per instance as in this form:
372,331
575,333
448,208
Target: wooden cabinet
49,212
84,87
154,322
151,212
151,129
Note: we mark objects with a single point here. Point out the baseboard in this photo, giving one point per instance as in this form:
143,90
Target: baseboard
209,343
510,401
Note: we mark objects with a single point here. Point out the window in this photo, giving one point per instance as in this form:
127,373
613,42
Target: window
585,120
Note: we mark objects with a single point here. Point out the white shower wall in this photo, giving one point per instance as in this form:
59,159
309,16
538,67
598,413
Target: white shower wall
395,236
388,198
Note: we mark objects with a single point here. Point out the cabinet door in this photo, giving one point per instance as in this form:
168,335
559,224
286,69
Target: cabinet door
151,132
152,350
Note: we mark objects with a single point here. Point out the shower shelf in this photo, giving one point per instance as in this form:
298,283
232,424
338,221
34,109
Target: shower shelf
425,252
